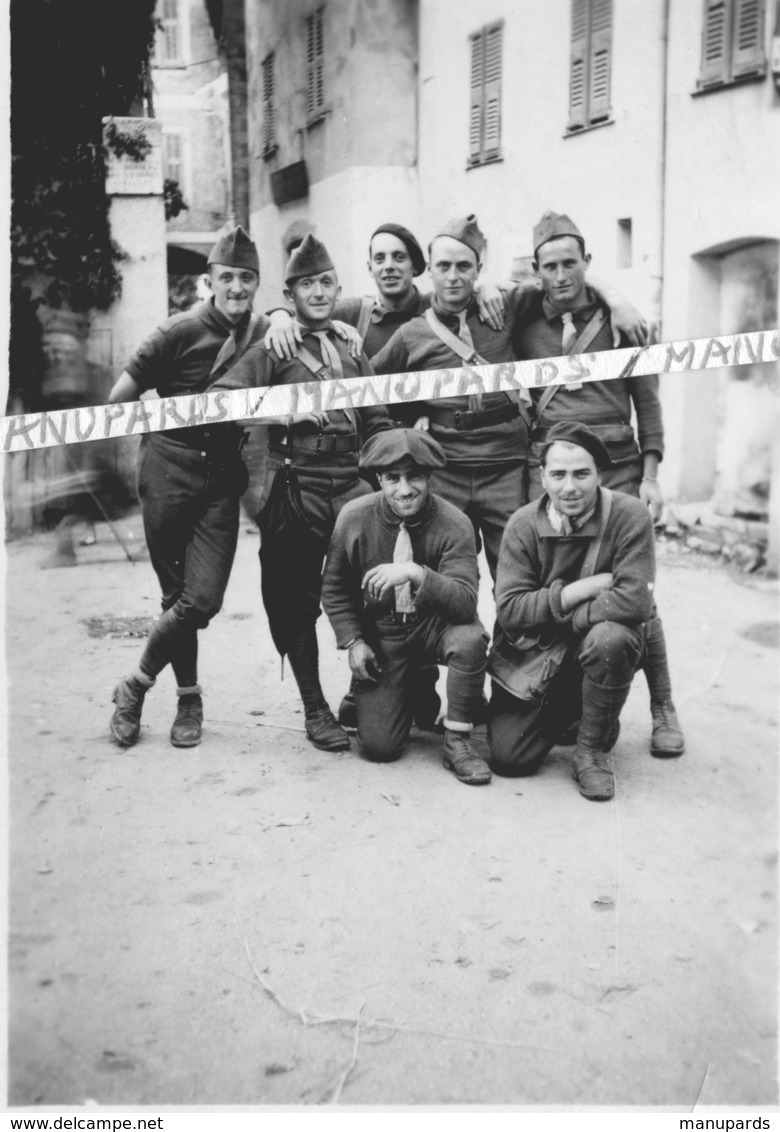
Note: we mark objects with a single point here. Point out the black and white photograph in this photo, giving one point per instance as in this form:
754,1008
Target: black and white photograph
407,742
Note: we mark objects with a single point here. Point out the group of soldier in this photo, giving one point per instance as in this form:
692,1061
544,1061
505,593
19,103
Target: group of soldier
376,514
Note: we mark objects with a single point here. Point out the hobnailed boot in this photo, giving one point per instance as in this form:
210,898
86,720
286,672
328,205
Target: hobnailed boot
126,721
667,740
461,758
595,781
188,724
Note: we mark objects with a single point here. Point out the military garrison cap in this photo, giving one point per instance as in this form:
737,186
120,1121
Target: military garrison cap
552,225
309,258
387,449
571,432
467,231
236,249
406,237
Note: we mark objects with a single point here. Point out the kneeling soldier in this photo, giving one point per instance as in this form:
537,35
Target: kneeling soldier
400,590
546,592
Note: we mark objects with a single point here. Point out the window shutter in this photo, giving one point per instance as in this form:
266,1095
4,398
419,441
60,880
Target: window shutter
269,115
315,94
477,92
715,41
600,60
578,69
492,130
748,51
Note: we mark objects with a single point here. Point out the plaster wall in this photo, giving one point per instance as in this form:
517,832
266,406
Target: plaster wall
360,153
598,176
723,160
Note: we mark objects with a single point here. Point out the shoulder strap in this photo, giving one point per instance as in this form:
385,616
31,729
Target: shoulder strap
589,565
578,346
232,349
453,342
367,304
322,373
314,365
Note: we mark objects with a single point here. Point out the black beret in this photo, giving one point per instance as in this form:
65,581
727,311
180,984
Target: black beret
387,449
406,237
571,432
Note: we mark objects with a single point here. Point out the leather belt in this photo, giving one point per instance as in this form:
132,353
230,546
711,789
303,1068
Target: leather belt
215,439
479,418
326,443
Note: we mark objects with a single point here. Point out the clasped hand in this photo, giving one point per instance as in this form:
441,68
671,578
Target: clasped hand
380,581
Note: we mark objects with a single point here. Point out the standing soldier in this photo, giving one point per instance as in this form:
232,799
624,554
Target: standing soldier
315,456
567,317
189,483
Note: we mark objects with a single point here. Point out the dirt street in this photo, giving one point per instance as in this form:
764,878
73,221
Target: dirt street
257,922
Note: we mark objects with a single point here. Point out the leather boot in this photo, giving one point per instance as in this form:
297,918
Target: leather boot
595,781
126,721
461,758
187,726
667,740
325,733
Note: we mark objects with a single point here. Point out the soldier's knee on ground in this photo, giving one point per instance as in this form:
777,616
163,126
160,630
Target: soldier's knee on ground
610,653
377,751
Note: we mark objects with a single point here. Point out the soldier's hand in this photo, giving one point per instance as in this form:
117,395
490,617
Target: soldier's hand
380,581
651,495
350,335
490,302
318,419
284,335
627,319
423,423
363,663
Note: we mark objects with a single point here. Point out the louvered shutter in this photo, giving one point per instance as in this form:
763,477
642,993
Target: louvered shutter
716,40
477,93
315,94
578,69
269,114
491,145
748,46
600,60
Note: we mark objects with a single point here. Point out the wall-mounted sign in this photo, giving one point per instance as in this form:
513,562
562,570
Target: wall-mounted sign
290,183
125,175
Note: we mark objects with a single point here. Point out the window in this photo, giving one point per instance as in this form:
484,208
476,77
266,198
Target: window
315,63
172,157
485,111
169,48
590,73
732,41
269,111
